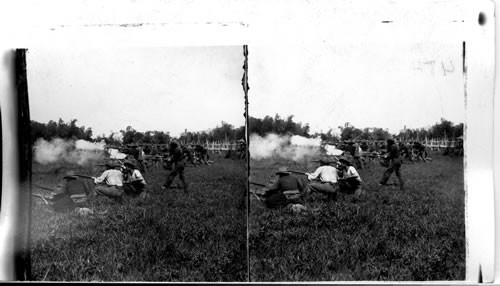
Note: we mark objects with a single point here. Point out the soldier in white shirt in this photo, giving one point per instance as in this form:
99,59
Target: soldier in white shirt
323,180
110,183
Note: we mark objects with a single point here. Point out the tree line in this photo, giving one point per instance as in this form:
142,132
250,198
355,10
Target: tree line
70,130
227,132
277,125
60,129
282,126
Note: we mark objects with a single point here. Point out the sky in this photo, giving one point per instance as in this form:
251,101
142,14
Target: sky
385,84
166,89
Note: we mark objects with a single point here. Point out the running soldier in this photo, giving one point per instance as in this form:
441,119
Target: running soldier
394,159
178,165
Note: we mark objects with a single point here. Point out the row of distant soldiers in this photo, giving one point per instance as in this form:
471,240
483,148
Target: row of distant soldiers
364,152
195,154
148,156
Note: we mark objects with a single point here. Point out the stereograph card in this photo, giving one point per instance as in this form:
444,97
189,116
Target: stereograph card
208,141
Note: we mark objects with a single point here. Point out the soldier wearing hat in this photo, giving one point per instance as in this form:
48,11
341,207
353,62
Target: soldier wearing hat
178,165
349,180
133,181
110,182
394,159
285,190
324,180
70,193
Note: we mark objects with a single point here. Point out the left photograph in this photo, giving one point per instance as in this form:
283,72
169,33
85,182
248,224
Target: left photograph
139,164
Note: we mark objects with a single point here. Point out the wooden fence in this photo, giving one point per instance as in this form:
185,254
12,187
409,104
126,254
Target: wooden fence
221,146
436,144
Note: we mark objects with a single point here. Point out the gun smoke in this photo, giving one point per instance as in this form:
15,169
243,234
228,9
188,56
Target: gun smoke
79,152
294,147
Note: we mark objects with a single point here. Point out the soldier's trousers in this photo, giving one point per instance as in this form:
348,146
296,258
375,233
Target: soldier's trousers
133,188
178,170
322,187
351,187
109,191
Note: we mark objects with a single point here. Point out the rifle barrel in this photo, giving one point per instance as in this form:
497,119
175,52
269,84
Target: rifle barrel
84,176
257,184
41,197
42,187
297,172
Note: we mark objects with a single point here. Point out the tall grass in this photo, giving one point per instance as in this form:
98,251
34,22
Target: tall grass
173,236
415,235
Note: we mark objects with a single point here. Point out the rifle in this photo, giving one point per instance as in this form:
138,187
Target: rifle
257,184
41,197
84,176
297,172
42,187
347,178
258,198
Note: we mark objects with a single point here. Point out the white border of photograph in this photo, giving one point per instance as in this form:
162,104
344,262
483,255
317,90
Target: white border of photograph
27,24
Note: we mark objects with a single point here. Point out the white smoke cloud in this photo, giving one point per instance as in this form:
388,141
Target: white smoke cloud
305,142
294,148
85,145
117,136
116,154
80,152
332,150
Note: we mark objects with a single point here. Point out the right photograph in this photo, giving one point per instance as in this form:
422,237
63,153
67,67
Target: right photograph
357,162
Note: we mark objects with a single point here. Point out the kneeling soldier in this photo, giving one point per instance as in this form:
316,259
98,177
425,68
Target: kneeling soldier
349,180
134,182
286,190
110,183
323,180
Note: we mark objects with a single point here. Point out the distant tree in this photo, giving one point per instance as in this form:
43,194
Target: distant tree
380,134
328,136
277,125
148,137
128,135
267,125
350,133
442,129
61,129
239,133
458,130
255,126
160,137
223,132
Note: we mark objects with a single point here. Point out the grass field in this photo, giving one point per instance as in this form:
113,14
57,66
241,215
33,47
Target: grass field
172,236
415,235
